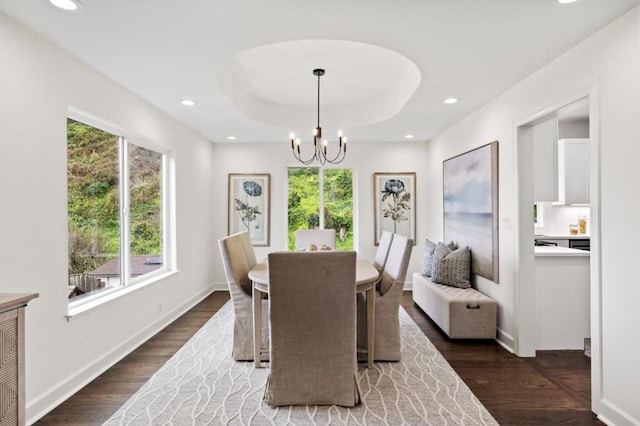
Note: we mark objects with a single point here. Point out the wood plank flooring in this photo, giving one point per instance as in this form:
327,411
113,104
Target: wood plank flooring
551,389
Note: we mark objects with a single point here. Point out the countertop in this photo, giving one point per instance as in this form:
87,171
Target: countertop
15,300
553,251
561,237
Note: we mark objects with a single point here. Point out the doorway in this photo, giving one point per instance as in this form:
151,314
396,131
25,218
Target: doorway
583,108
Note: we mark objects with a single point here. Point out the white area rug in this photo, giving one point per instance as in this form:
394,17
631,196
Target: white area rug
202,385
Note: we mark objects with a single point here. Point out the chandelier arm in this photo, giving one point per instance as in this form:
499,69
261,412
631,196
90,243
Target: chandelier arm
342,153
305,162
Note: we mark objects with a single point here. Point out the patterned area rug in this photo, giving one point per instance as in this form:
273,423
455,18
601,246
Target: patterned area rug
202,385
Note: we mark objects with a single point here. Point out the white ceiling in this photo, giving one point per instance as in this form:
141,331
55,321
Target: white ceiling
165,51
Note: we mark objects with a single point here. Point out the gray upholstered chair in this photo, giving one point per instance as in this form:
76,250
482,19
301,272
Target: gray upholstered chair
238,259
312,308
383,250
305,237
388,297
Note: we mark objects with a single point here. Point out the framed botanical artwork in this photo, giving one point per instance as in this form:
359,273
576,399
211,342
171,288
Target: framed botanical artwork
470,205
249,206
394,204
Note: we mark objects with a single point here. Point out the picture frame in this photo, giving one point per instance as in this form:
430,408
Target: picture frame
470,206
394,204
248,206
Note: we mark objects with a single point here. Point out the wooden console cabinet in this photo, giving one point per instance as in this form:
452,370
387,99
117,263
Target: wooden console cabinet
12,393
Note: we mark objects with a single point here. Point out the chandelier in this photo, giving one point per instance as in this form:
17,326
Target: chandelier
319,145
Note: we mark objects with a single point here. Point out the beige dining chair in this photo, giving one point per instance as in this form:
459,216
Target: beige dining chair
238,259
387,303
312,310
383,250
318,237
247,247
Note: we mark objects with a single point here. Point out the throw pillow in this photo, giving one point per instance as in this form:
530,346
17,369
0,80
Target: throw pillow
427,257
451,267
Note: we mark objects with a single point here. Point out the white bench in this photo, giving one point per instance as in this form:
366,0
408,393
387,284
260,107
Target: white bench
462,313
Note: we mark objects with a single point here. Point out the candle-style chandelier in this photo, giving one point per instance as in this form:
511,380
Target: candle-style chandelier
319,145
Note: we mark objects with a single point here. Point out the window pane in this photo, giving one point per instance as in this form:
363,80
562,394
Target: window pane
145,210
338,205
304,200
93,205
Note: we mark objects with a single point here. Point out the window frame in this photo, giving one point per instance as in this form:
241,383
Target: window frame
169,267
354,197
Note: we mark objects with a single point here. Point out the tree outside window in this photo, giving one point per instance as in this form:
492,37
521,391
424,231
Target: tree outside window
335,200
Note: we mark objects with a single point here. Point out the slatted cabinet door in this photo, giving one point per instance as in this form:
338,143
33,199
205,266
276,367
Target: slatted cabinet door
11,388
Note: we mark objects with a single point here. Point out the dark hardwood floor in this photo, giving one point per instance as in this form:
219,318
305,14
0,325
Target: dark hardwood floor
554,388
551,389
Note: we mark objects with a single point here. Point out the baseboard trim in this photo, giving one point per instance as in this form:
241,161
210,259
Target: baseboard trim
505,340
43,404
611,414
220,286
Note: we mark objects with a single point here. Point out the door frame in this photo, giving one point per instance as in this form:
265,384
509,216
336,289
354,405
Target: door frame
525,309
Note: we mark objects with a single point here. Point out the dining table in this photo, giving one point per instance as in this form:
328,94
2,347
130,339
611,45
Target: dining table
366,277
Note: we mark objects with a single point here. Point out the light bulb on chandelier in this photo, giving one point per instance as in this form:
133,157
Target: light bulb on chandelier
319,148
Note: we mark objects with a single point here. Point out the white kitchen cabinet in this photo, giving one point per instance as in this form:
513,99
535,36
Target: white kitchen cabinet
562,298
545,160
573,171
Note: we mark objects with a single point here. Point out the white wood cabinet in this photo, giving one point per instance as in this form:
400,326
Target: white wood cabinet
545,160
562,300
573,171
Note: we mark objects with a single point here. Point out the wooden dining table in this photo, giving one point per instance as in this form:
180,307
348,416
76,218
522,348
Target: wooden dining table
366,277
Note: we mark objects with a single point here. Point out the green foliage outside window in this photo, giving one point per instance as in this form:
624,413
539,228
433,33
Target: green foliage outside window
93,198
304,202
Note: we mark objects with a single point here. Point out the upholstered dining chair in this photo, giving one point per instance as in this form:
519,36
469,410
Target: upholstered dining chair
319,237
312,310
238,259
387,303
247,247
383,250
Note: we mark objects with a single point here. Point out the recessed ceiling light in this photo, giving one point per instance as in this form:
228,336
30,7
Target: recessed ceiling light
566,1
231,138
66,4
409,136
188,102
451,100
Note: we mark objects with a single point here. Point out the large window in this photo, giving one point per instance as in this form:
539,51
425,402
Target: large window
116,211
313,190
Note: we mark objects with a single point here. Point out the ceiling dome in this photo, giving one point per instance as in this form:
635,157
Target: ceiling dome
363,84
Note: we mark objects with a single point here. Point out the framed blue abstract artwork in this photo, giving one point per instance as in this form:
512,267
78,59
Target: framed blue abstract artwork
470,205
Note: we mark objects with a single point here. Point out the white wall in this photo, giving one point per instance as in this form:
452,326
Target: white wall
38,83
364,158
610,61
